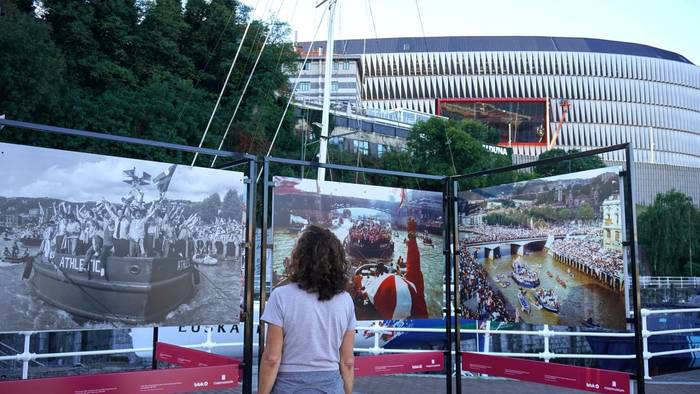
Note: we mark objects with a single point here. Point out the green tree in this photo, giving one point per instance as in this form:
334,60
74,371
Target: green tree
31,76
208,210
586,212
670,235
232,206
567,166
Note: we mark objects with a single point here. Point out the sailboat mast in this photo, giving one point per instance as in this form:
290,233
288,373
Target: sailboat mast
323,143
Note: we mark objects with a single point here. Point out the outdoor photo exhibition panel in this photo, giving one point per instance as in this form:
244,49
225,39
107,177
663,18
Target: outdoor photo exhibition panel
193,225
394,240
553,251
544,251
94,241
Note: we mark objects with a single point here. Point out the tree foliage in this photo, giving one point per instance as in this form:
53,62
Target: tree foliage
669,234
143,68
566,166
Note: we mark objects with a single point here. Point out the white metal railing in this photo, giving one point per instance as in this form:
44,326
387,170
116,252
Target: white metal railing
546,333
379,330
26,356
668,281
646,334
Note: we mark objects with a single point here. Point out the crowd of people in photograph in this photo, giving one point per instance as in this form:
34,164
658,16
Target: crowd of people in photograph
132,228
473,278
489,233
366,232
589,252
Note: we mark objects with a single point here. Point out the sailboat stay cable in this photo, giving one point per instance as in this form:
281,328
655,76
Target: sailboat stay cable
294,88
223,88
250,77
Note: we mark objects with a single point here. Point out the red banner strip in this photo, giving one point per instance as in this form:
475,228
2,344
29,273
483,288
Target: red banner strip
189,358
398,363
202,371
579,378
160,381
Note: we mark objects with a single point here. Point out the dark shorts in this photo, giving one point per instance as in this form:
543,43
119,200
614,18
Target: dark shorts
319,382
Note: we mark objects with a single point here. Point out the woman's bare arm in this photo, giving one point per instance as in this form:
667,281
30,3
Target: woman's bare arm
271,358
347,361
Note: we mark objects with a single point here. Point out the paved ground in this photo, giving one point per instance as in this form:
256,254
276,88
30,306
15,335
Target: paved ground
678,383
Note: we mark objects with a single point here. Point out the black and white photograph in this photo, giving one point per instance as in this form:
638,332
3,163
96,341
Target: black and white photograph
91,242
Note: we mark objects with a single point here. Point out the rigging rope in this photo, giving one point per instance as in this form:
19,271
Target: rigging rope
294,88
250,77
223,88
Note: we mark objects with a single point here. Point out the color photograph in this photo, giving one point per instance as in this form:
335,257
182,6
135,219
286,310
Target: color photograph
545,251
91,242
392,237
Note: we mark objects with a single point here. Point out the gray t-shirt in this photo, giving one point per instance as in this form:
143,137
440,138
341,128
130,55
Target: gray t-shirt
313,330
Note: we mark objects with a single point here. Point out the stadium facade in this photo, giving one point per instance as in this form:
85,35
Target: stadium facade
577,93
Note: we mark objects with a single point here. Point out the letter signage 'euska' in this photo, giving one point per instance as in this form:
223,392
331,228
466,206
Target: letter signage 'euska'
94,241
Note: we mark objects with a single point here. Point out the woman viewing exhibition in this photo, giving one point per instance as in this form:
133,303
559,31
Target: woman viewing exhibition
311,322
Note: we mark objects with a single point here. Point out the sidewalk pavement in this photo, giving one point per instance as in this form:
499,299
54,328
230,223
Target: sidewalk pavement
678,383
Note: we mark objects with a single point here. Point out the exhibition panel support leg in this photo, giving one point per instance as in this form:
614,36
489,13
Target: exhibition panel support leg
249,281
631,244
154,359
448,248
453,222
263,251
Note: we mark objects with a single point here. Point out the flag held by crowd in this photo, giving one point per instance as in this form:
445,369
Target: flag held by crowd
162,181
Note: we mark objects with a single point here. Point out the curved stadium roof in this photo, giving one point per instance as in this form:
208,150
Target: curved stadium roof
496,44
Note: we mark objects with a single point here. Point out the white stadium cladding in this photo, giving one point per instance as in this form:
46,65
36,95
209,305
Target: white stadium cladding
618,92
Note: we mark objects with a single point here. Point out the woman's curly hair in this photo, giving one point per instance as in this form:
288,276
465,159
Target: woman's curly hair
318,263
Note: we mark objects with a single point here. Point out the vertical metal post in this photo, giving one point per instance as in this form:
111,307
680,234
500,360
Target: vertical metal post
645,344
455,253
327,81
263,252
631,244
546,353
447,252
26,354
249,280
487,337
154,359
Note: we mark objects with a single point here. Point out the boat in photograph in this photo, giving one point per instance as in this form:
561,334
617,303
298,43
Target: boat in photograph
548,300
369,239
30,241
133,290
523,275
524,305
561,282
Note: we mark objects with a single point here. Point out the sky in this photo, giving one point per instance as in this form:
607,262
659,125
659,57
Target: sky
83,177
673,25
378,193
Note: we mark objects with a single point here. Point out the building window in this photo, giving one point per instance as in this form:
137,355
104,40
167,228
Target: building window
346,65
406,47
306,66
337,141
335,65
304,86
381,150
334,86
361,147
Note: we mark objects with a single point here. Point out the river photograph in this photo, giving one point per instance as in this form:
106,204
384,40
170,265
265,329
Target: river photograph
392,238
545,251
